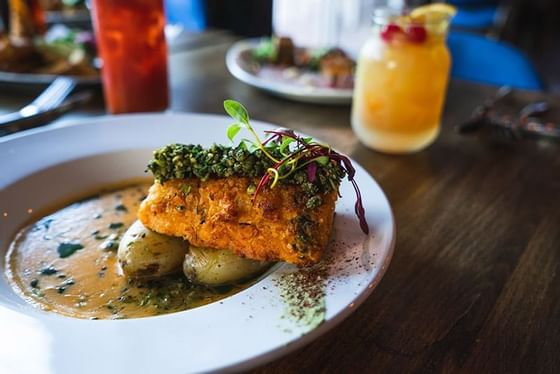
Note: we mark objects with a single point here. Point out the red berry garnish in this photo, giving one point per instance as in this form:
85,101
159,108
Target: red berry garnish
416,33
389,31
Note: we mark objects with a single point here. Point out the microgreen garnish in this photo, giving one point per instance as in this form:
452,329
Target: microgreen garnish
296,153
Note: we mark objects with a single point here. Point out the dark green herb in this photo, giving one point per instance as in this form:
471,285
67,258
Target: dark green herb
49,270
97,216
186,189
67,249
64,285
100,237
305,227
34,283
116,225
46,222
121,208
314,202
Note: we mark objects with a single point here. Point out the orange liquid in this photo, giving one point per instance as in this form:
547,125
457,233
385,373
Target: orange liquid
131,42
399,93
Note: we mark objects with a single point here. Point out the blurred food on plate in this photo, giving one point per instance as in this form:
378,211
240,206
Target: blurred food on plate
27,47
326,67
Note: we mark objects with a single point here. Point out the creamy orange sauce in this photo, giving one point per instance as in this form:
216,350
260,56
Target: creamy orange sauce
66,263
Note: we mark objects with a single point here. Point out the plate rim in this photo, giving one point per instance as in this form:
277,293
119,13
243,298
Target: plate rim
7,77
282,349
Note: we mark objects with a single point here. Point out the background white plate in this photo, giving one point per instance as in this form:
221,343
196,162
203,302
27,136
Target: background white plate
44,166
239,67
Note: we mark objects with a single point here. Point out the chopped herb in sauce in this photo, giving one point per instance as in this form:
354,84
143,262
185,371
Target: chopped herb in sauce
64,285
121,208
67,249
46,223
34,283
49,270
116,225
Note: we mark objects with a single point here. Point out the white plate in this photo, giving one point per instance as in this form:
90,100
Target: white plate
241,68
47,165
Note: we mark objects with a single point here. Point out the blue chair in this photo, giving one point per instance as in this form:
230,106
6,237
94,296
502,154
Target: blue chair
475,14
187,13
480,59
479,18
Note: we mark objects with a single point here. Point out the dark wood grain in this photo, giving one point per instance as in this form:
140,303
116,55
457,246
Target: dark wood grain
474,284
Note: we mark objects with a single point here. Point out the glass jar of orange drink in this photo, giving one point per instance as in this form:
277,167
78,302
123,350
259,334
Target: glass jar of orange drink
401,79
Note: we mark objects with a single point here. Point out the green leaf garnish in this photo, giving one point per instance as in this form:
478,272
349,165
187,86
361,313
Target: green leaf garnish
323,160
68,249
232,131
284,146
236,111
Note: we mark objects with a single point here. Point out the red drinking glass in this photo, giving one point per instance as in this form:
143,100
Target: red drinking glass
131,43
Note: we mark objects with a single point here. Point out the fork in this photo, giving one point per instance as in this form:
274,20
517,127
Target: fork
49,99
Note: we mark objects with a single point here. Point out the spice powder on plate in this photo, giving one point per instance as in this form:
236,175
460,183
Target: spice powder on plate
303,293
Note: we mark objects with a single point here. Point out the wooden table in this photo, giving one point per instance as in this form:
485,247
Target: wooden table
474,284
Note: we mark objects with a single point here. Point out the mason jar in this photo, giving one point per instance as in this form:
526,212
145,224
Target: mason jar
401,80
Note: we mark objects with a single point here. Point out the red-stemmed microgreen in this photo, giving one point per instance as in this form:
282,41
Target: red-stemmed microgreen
292,153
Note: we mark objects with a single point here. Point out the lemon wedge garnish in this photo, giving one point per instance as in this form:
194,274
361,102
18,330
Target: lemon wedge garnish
434,10
435,17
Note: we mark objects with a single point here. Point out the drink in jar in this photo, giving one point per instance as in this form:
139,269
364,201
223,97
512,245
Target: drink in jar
131,42
401,80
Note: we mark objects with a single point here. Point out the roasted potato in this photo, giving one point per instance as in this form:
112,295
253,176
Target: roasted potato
144,253
218,267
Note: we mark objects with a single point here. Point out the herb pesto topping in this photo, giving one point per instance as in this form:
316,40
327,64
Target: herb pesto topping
179,161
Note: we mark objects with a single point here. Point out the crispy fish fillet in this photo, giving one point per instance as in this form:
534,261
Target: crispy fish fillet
220,213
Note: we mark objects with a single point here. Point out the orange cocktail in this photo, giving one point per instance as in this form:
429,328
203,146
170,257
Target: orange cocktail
131,43
401,82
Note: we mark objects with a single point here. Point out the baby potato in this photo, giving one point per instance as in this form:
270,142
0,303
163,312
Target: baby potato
144,253
215,267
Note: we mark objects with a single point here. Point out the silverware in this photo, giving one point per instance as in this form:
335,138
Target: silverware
43,117
512,127
48,106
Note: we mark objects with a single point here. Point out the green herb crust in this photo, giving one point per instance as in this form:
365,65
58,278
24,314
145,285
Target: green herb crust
179,161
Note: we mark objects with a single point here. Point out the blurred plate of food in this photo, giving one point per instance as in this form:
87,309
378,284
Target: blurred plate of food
68,12
31,54
276,65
